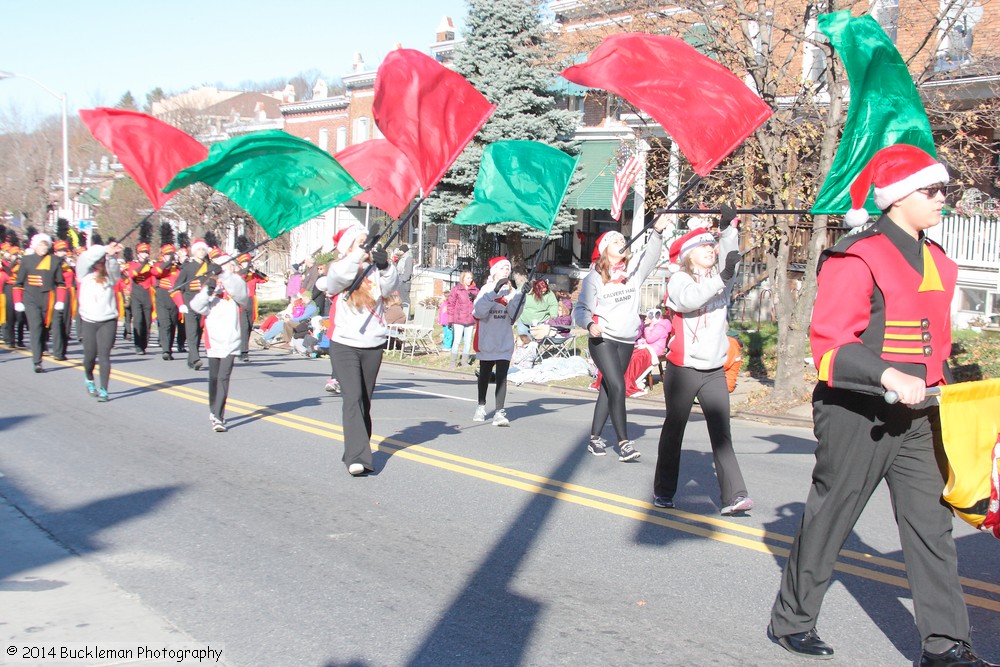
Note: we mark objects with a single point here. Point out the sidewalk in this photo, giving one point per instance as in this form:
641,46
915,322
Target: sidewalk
55,599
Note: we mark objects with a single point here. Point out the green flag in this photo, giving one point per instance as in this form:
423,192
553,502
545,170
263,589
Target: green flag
281,180
885,107
519,181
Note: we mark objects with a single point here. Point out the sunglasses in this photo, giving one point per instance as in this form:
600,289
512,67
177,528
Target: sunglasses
933,190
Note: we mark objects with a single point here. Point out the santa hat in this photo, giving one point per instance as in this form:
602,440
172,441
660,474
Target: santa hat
142,247
685,244
602,242
896,172
346,236
40,238
199,243
497,264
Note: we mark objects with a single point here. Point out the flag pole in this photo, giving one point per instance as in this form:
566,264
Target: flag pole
134,227
377,239
752,211
531,277
177,288
690,185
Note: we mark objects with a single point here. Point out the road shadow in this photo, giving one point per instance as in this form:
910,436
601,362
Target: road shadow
421,433
156,386
489,623
75,529
790,444
14,420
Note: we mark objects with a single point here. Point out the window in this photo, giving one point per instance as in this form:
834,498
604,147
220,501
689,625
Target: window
324,138
360,130
956,32
341,138
972,300
886,13
813,56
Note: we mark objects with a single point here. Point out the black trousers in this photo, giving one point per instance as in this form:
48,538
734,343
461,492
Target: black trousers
219,371
142,317
680,386
861,440
486,368
61,329
14,322
356,369
246,326
98,339
611,358
166,319
35,311
192,334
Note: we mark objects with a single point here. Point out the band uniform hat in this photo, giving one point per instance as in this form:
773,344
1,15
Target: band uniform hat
167,249
142,247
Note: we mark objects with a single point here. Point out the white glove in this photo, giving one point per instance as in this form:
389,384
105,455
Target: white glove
183,309
19,307
60,305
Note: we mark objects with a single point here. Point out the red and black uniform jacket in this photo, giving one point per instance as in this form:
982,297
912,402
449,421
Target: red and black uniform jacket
40,282
192,278
883,300
140,275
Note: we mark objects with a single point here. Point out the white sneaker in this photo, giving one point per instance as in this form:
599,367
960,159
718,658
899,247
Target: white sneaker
218,425
480,415
738,505
356,469
332,386
500,418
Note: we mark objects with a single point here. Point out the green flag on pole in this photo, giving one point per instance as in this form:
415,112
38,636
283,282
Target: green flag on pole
281,180
885,107
519,181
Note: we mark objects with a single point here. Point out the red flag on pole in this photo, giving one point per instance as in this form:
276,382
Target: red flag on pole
704,107
427,111
381,168
629,167
151,151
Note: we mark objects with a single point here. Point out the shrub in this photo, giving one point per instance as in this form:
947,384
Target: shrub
975,355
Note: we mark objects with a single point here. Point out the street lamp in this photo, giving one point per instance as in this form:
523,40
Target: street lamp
67,212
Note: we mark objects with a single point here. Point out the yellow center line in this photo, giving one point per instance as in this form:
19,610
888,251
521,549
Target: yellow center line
710,528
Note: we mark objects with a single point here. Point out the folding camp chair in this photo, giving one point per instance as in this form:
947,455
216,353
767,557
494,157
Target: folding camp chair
553,342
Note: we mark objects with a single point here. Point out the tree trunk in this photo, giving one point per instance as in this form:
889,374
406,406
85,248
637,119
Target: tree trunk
515,253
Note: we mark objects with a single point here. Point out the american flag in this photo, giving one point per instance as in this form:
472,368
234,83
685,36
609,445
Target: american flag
628,168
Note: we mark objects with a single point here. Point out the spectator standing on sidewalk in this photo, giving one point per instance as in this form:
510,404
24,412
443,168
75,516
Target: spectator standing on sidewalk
608,308
404,267
358,334
698,296
494,309
459,312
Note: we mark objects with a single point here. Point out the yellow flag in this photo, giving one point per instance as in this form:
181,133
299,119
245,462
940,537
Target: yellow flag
970,425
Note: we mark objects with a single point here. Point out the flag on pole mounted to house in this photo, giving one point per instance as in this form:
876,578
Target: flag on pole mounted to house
706,109
629,166
427,111
970,432
281,180
519,181
386,174
885,106
151,151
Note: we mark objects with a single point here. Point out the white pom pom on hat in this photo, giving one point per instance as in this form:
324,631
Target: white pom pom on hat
345,237
896,171
498,263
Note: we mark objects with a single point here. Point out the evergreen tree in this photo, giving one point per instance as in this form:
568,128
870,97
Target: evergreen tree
127,102
507,57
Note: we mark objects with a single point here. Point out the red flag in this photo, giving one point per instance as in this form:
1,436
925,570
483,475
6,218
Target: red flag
629,167
427,111
703,106
381,168
151,151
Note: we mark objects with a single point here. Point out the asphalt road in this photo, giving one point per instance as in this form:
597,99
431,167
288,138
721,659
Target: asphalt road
471,545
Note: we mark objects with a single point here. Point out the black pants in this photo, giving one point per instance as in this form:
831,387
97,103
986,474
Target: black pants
127,320
34,313
219,371
142,317
14,322
486,368
166,319
98,339
612,359
861,441
356,369
192,334
246,326
61,329
680,386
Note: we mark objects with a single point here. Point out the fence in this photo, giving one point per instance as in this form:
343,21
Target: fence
972,241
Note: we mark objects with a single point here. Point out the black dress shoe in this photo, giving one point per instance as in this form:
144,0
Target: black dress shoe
805,644
38,368
960,655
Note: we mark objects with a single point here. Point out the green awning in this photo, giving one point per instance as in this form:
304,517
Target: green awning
598,164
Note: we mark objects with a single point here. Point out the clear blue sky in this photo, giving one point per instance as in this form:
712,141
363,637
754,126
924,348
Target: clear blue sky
96,50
